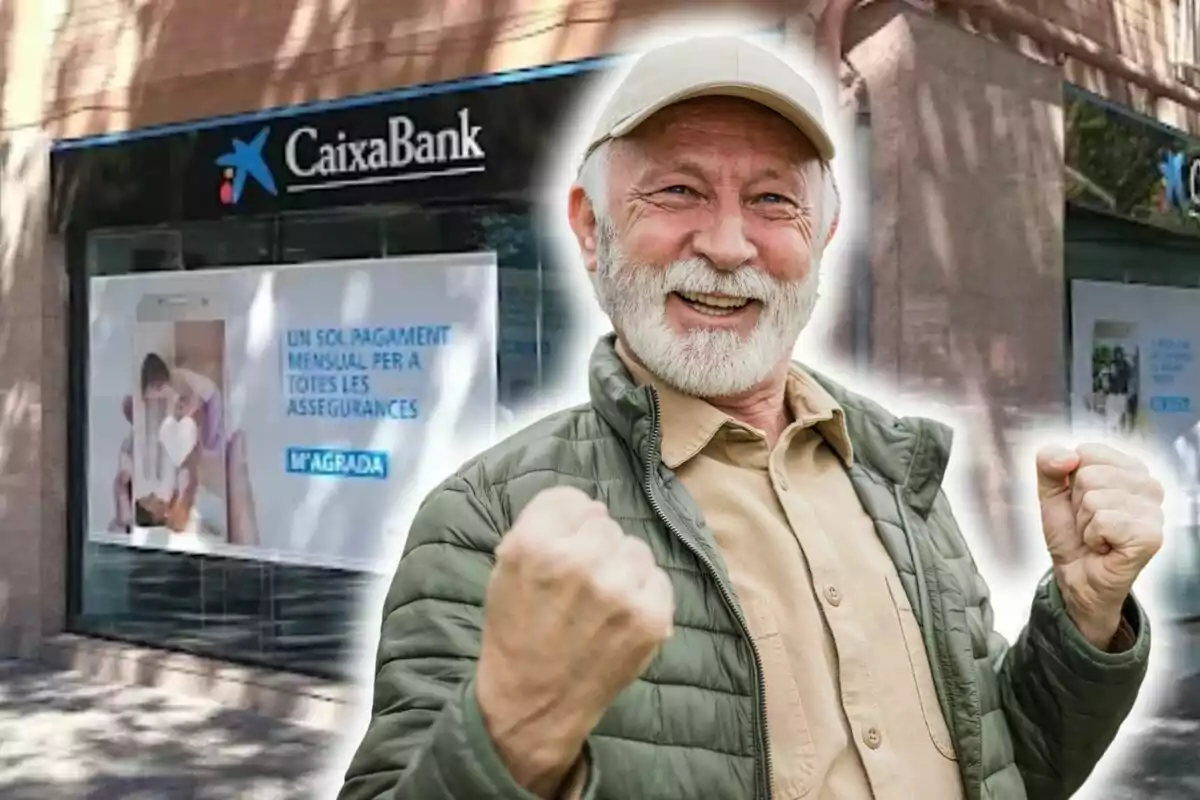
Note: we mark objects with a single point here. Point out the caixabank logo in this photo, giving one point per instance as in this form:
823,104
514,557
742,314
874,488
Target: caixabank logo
323,156
243,161
1180,185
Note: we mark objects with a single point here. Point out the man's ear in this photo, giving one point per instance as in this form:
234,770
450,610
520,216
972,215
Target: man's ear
832,210
582,216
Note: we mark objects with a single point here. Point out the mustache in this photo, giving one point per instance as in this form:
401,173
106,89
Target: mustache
693,275
698,275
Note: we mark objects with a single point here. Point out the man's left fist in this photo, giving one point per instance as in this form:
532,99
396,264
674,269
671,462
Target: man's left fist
1103,520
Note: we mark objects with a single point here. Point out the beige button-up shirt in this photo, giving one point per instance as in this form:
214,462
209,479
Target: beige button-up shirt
852,711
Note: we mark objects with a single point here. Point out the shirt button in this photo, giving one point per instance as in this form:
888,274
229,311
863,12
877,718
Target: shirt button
872,737
833,595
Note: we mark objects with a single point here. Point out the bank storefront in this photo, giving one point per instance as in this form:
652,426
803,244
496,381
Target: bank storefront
276,321
1132,258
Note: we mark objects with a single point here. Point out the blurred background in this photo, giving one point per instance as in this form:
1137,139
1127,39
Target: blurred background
1025,245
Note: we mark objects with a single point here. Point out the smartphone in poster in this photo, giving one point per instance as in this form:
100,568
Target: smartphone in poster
292,413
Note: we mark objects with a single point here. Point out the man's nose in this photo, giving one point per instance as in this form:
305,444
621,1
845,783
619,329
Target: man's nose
724,242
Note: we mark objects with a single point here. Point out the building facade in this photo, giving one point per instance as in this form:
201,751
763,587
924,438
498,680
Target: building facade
126,132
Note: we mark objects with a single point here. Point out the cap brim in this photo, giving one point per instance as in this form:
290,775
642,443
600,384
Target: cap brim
778,103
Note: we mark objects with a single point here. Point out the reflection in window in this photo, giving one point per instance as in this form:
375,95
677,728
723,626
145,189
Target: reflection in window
328,236
508,231
520,319
228,243
417,232
122,252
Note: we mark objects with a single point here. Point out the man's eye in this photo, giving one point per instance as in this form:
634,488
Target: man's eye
771,197
679,189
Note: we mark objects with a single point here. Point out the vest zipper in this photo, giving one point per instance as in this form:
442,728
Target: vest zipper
653,458
923,599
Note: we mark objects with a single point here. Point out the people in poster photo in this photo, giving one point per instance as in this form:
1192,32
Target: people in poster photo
123,517
242,513
179,469
1115,376
180,481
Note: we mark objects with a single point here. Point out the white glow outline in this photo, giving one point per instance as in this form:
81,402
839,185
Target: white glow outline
1012,588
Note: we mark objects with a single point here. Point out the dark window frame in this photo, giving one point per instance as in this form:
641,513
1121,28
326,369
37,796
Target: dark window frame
79,243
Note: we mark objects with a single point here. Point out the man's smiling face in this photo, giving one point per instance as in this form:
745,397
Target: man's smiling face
705,246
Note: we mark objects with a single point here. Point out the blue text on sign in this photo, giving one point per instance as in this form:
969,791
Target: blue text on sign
337,463
1170,405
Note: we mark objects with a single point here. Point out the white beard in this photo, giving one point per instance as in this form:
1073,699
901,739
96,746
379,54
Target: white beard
701,363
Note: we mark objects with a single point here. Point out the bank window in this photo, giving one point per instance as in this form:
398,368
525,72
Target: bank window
415,231
557,313
326,236
227,243
298,617
122,252
507,230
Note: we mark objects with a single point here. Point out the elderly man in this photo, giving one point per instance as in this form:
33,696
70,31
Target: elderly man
726,576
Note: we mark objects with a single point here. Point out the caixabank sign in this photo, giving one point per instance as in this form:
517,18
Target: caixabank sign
446,145
315,157
1130,166
452,141
1181,181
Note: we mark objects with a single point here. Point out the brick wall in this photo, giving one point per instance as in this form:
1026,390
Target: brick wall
1142,31
98,65
1138,29
89,66
116,64
32,343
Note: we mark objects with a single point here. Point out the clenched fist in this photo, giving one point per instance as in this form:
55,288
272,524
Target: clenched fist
575,611
1103,519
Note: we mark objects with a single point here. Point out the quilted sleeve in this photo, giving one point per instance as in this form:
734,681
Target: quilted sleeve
1063,698
426,739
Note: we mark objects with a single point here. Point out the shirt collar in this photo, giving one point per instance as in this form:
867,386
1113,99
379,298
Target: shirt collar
689,423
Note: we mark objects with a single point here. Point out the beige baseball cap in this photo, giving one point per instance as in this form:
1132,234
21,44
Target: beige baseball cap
706,66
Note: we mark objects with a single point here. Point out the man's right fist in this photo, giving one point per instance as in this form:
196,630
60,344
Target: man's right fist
575,612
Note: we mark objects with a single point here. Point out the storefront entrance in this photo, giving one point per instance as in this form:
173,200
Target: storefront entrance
262,315
1132,260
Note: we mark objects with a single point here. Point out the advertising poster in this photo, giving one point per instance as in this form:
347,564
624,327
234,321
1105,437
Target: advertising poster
280,413
1136,371
1136,374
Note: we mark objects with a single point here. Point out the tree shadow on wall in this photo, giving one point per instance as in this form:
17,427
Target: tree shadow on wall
967,184
167,62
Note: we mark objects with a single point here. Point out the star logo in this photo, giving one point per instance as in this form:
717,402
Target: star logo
1171,168
246,160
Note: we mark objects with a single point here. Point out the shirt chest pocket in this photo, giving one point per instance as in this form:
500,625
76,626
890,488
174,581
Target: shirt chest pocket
793,751
921,673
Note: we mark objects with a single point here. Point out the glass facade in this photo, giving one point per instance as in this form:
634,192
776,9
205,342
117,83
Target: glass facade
298,617
194,200
417,171
1131,250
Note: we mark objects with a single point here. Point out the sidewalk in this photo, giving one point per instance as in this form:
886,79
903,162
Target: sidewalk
1162,764
63,737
